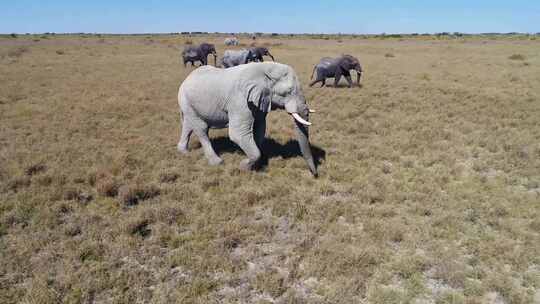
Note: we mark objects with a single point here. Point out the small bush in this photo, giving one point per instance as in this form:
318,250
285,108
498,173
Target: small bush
60,52
170,215
18,52
35,169
138,226
516,57
389,55
13,35
73,194
106,185
130,195
168,177
18,182
188,42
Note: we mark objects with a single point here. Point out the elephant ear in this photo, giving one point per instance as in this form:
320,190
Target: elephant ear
344,65
260,97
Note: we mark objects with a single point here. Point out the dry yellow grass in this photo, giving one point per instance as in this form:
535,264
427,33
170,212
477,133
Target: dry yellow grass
429,189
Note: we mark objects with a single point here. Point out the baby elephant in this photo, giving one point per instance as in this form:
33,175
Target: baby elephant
335,68
233,58
257,54
240,98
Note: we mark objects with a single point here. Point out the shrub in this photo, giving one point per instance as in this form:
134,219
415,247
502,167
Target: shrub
168,177
130,195
106,185
389,55
138,226
18,182
516,57
73,194
188,42
18,52
35,169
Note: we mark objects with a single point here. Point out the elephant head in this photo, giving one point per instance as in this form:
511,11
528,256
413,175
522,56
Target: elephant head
348,62
278,87
265,52
208,48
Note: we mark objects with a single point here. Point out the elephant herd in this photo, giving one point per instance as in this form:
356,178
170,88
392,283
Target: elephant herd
192,54
238,96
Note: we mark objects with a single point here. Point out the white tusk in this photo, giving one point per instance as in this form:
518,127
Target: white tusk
300,119
312,111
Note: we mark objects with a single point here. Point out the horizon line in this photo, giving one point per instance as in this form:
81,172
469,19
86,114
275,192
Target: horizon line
273,33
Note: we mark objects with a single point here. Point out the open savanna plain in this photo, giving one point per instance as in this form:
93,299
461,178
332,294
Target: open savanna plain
429,186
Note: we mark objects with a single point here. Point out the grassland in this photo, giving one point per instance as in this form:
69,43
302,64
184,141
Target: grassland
429,187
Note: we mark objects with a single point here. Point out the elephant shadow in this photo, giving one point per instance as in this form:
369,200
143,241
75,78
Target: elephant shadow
342,86
270,149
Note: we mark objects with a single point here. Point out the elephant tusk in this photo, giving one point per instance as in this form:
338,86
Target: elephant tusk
312,111
300,119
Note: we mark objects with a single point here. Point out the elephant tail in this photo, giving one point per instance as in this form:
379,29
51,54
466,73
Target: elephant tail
313,72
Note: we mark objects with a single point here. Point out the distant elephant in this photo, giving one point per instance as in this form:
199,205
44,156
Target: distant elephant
233,58
199,53
258,53
240,98
231,41
337,67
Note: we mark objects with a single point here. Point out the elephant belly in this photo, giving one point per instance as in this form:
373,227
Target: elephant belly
216,120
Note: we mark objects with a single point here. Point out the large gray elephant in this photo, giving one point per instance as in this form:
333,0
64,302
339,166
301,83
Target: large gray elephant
240,98
233,58
199,53
335,68
258,53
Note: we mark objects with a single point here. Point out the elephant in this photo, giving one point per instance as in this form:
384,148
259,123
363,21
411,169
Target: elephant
258,53
239,98
233,58
231,41
337,67
199,53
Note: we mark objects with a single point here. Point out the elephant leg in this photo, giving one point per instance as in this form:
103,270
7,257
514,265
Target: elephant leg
201,130
349,80
314,82
337,78
184,137
323,82
242,135
259,129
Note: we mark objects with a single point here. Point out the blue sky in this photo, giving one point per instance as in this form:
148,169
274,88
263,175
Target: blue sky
282,16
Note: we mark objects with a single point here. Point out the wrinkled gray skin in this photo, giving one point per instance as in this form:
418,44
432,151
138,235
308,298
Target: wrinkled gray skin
233,58
258,53
199,53
231,41
335,68
240,98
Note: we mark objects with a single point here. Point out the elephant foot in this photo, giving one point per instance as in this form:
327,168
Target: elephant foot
247,164
215,161
182,149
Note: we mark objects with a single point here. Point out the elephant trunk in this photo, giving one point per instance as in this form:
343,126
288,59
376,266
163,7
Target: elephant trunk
358,69
271,56
302,135
215,58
